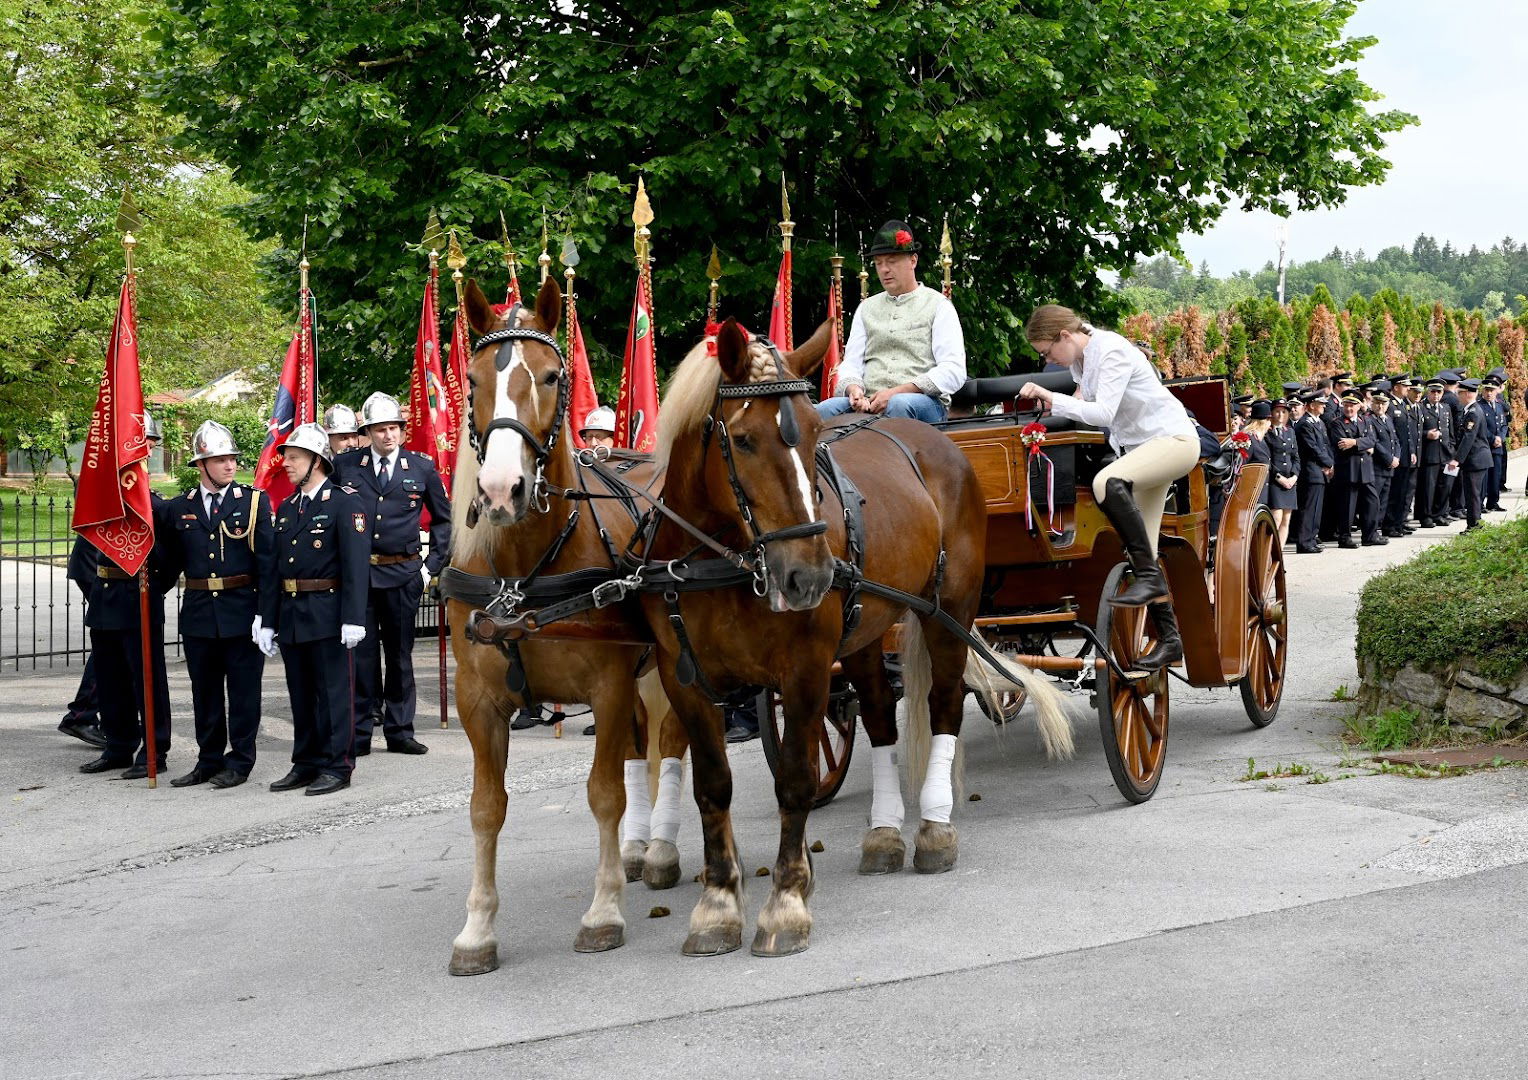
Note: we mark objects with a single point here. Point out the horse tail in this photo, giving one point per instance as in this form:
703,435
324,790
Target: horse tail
653,711
917,682
1051,715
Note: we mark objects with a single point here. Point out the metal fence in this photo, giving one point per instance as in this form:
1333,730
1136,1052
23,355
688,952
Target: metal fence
42,613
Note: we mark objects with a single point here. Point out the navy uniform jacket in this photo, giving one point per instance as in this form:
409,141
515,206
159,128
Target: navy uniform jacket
239,541
1315,449
413,486
1209,445
1455,408
1405,437
1474,450
1353,465
113,605
1386,444
1436,418
84,557
1283,454
331,539
1503,416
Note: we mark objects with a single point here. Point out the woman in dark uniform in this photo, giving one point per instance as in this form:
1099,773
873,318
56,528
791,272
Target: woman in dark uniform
1281,495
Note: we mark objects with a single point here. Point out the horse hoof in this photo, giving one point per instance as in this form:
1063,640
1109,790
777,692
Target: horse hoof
936,849
882,851
599,938
780,942
713,942
661,868
478,960
633,859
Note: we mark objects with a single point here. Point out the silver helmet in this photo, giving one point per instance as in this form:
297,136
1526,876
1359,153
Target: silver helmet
599,419
212,440
339,420
380,408
151,428
311,437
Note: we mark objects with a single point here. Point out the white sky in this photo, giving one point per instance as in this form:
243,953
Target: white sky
1461,66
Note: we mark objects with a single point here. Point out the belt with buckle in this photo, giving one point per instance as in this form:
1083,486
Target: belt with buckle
217,584
389,560
294,585
112,573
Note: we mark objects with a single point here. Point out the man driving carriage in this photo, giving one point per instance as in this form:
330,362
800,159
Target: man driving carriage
906,354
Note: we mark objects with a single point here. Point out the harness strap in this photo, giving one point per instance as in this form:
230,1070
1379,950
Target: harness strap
686,668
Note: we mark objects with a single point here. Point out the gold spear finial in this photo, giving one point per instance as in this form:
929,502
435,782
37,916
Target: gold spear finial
946,256
864,271
433,234
642,217
544,260
128,222
787,226
509,251
714,272
456,258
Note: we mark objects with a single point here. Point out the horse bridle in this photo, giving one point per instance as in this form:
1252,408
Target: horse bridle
542,452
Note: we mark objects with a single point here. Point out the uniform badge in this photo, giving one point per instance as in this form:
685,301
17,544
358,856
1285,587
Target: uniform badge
359,520
188,517
238,492
403,463
326,494
318,543
365,460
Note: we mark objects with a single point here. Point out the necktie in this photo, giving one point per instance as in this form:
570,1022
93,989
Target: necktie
217,500
382,472
302,503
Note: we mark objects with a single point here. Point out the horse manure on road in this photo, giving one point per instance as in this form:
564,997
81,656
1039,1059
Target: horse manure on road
659,912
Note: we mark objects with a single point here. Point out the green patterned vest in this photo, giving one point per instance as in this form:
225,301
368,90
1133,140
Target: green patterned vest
899,337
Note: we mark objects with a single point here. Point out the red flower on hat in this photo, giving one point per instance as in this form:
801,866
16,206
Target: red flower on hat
903,238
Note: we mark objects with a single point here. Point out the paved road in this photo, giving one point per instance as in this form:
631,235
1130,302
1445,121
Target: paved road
1370,926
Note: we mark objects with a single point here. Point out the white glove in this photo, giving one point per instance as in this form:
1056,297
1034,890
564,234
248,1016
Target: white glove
254,630
424,572
267,641
351,635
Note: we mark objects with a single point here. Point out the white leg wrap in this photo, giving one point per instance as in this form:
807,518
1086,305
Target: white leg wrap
937,798
666,809
634,823
886,794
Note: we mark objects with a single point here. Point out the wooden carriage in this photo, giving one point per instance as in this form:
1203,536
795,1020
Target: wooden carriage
1052,558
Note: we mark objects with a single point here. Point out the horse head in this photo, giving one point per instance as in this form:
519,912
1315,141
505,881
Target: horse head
519,400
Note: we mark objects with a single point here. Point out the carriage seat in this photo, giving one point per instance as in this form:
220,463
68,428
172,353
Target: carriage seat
1002,389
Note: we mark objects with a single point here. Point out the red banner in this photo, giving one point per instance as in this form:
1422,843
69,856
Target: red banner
429,417
294,403
583,399
636,413
113,510
780,307
835,337
455,372
512,294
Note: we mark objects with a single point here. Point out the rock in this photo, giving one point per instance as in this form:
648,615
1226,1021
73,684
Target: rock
1519,692
1470,681
1481,710
1417,687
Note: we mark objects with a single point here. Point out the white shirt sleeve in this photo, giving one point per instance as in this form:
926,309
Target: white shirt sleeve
1113,377
949,371
851,369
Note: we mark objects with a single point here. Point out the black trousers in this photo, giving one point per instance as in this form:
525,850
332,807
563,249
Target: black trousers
1456,486
119,669
1472,481
1398,507
1347,499
390,640
320,679
1379,501
82,710
1431,489
234,664
1500,454
1312,500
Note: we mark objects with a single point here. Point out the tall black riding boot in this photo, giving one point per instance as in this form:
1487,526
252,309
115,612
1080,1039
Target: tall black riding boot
1119,507
1169,646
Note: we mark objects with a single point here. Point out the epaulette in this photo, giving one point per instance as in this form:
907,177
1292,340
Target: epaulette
348,489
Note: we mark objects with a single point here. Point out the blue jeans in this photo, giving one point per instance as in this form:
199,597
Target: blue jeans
916,406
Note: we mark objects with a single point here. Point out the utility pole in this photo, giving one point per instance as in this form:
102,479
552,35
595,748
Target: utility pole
1282,234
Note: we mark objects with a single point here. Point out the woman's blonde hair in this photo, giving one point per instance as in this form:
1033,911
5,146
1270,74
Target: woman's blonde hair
1049,320
1258,427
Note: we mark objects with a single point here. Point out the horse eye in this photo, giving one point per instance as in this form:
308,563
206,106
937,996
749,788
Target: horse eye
550,378
743,443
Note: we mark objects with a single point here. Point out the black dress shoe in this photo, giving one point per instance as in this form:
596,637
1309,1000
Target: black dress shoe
228,778
1347,544
140,771
406,745
196,776
739,733
85,732
326,783
363,751
1375,541
1308,550
105,763
295,779
589,730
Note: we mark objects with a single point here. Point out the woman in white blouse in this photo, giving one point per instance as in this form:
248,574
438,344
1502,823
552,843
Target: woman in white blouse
1117,388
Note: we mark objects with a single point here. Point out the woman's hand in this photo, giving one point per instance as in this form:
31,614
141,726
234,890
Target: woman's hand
1036,392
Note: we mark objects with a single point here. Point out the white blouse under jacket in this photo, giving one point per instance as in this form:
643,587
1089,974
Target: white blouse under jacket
1118,389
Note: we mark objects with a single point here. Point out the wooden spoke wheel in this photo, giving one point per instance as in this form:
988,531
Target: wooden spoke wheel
1132,713
1262,686
1009,702
835,739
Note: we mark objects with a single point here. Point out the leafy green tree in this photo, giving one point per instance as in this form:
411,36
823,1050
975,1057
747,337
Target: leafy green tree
1060,138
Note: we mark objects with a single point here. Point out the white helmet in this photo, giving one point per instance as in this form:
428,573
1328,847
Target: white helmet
212,440
600,419
340,420
151,428
380,408
311,437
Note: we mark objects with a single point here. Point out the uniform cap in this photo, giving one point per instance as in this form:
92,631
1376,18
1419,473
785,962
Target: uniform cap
1292,388
1435,383
600,419
1469,384
1449,375
212,440
1313,397
312,438
380,408
1352,399
339,420
1342,376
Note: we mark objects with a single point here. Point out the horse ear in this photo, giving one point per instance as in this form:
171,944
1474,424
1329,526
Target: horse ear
806,358
549,305
480,314
732,352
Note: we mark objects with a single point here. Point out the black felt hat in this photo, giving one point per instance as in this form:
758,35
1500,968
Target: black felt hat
894,238
1262,410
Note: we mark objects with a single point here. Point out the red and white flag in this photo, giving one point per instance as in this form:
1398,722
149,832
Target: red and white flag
113,510
583,399
780,307
835,354
295,402
636,413
456,383
429,417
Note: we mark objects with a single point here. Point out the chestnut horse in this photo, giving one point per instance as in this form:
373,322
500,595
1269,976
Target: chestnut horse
510,512
737,436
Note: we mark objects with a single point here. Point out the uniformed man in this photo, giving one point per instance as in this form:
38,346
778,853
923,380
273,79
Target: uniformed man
1316,467
116,642
1403,480
1437,423
1387,458
1331,415
219,535
599,428
317,613
397,486
1455,503
906,354
339,425
82,719
1354,472
1473,454
1490,404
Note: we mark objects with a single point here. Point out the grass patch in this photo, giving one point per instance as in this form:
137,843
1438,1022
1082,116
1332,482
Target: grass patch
1280,771
1342,693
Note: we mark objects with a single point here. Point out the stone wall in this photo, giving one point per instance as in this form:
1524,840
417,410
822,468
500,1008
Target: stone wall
1456,693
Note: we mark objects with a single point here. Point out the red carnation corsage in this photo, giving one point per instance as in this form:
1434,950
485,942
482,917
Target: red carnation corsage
1032,436
1241,442
903,238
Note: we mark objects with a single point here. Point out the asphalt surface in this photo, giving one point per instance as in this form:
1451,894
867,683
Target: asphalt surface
1366,926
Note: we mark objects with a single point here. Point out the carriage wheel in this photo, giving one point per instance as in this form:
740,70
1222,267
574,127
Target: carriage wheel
1267,624
835,742
1132,714
1009,701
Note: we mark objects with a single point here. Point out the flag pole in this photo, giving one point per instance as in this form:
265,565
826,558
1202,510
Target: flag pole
151,745
456,259
544,260
864,273
642,217
946,257
714,272
511,262
787,229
